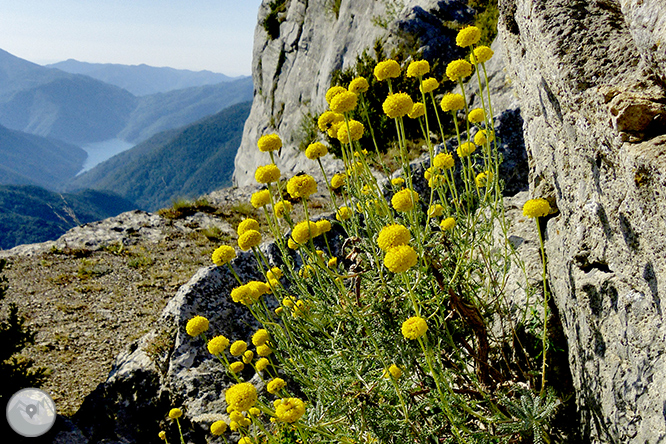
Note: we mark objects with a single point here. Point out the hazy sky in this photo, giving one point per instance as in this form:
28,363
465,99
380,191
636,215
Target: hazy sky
188,34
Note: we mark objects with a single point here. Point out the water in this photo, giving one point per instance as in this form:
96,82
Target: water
98,152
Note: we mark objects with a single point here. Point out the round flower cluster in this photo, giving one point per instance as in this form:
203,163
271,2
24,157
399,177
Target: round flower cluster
418,110
217,345
249,239
482,137
393,235
536,208
275,385
481,179
458,69
223,255
238,348
429,85
400,258
436,210
260,198
466,149
301,186
324,226
452,102
343,102
218,428
264,350
247,225
414,327
476,116
418,68
283,207
355,131
274,273
260,337
397,105
387,69
196,326
289,410
248,356
262,364
304,231
359,85
338,180
245,294
404,200
448,224
334,91
269,142
316,150
328,119
267,173
343,213
443,161
393,371
241,397
175,413
468,36
236,367
481,55
398,181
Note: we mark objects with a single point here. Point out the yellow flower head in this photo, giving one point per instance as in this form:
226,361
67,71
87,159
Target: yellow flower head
398,181
429,85
476,115
261,288
218,428
414,327
274,273
458,69
223,255
245,294
400,258
405,200
481,54
307,271
435,210
418,68
482,137
236,367
264,350
466,149
260,337
275,385
343,213
334,91
162,435
387,69
468,36
248,356
267,173
343,102
175,413
262,363
238,348
356,130
338,180
448,224
328,119
316,150
394,371
289,410
397,105
241,397
260,198
217,345
452,102
323,226
536,208
196,326
281,208
481,179
233,426
245,439
418,110
443,161
301,186
393,235
359,85
304,231
269,142
247,225
249,239
332,262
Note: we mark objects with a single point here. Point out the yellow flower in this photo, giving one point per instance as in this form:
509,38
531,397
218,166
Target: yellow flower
260,198
236,416
275,385
247,225
328,119
238,348
338,180
343,213
264,350
404,200
356,130
306,272
274,273
414,327
279,310
400,258
443,161
398,181
481,179
254,411
249,239
359,85
482,137
304,231
418,68
218,345
233,426
397,105
175,413
476,115
435,210
281,208
218,428
387,69
289,410
466,149
452,102
323,226
393,371
248,356
393,235
288,302
262,363
458,69
223,255
245,294
241,396
196,326
301,186
468,36
245,440
334,91
418,109
481,54
448,224
260,337
236,367
536,208
300,308
269,142
429,85
162,435
343,102
267,173
316,150
332,262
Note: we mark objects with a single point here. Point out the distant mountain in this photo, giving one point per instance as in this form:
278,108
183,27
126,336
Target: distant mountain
187,162
30,214
142,80
26,159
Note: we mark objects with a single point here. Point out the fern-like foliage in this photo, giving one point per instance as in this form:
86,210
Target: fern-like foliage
531,415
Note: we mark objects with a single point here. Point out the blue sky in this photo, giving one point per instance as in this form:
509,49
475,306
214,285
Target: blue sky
187,34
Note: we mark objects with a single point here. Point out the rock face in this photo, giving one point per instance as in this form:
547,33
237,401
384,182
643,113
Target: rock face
589,75
292,71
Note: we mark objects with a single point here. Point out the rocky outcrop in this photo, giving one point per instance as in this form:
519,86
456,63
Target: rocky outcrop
589,75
